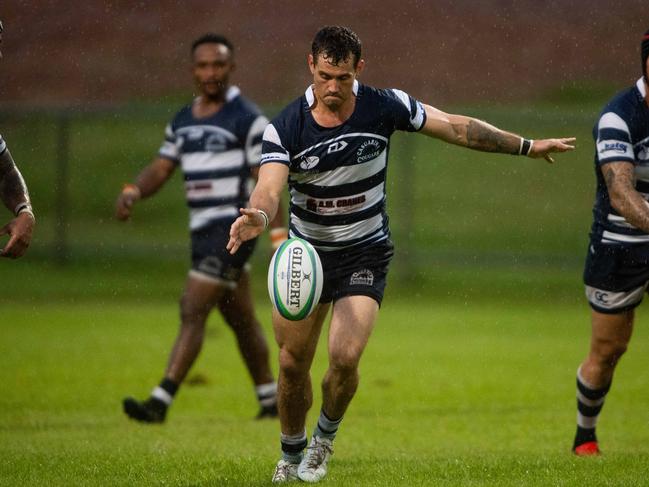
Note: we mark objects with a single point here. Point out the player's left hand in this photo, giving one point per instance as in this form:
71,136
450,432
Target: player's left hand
248,226
20,231
544,147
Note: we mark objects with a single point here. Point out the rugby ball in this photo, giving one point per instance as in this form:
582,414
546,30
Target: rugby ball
295,279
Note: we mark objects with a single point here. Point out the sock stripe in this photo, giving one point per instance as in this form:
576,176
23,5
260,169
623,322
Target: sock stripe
293,444
327,431
589,411
589,402
162,395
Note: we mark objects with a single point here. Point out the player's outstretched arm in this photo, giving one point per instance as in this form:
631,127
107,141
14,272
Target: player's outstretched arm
14,195
478,135
148,182
264,203
620,181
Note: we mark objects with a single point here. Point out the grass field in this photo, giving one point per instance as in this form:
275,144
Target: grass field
458,388
468,379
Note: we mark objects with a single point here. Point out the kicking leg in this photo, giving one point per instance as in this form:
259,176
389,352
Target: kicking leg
351,325
297,343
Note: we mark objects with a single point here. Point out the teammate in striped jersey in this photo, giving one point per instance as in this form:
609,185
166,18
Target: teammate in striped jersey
331,145
617,264
216,142
14,195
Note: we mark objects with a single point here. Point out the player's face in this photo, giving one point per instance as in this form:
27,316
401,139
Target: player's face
334,83
212,67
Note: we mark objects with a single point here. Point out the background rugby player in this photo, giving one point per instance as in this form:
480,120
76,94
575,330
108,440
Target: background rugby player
331,146
216,141
617,264
14,195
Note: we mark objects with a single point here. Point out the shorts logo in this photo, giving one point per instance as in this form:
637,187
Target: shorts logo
309,162
363,277
370,149
337,146
601,297
618,147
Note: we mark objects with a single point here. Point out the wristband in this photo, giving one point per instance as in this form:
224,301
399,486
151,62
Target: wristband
277,236
132,188
23,207
264,215
526,147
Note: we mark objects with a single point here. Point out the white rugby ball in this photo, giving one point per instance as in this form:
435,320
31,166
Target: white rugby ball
295,279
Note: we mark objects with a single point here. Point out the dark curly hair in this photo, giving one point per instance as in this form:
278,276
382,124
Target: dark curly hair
211,38
336,43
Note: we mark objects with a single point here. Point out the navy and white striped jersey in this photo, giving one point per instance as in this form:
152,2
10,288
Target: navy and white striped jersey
337,175
3,145
621,134
216,155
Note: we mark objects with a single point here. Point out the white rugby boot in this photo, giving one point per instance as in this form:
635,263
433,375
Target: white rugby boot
285,472
313,466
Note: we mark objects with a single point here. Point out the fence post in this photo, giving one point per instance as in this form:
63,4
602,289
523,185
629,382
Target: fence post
61,247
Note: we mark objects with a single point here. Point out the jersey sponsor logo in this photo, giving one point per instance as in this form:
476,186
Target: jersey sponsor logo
370,149
199,186
618,147
329,206
336,146
309,162
363,277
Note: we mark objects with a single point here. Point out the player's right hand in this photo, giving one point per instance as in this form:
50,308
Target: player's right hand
20,231
248,226
125,201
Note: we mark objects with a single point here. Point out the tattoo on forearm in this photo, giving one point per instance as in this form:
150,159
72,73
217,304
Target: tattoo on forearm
484,137
620,181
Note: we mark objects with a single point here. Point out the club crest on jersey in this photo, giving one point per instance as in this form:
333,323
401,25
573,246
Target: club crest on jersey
363,277
370,149
309,162
215,143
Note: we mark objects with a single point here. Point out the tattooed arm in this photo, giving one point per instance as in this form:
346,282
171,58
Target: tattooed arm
13,193
620,181
478,135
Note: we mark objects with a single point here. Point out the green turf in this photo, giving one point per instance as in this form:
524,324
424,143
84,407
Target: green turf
452,393
468,379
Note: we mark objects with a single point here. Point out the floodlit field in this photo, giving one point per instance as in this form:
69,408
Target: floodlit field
462,389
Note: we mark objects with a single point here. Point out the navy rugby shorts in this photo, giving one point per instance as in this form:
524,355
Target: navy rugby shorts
212,261
616,276
359,271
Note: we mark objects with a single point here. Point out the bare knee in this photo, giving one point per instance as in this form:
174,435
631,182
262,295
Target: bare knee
344,361
192,314
608,352
293,365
